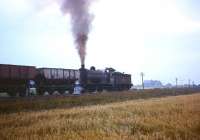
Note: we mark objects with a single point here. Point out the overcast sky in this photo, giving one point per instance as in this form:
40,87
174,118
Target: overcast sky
158,37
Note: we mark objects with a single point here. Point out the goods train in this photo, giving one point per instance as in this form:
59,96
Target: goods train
21,80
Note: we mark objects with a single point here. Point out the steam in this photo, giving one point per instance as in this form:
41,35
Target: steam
81,20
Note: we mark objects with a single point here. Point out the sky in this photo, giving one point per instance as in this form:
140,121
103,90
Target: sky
159,37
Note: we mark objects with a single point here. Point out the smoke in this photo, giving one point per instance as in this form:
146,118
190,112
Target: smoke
81,21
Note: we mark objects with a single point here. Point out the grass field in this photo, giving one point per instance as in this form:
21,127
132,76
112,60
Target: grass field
172,117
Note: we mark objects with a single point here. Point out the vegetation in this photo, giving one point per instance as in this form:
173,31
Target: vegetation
174,117
12,105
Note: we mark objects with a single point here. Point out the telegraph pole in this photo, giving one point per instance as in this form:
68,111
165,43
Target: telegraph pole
176,82
189,83
193,85
142,75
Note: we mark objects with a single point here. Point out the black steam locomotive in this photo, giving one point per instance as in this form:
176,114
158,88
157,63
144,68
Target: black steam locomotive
23,79
96,80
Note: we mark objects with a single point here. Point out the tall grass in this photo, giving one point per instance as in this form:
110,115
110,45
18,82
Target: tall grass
176,117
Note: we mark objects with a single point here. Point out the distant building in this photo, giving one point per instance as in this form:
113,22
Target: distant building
168,85
153,84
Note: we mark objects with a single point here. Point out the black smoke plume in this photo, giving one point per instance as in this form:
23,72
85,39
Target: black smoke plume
81,21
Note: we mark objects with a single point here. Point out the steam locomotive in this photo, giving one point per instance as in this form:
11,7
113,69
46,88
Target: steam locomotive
21,80
99,80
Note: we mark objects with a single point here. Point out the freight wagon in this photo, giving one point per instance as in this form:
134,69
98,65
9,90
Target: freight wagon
15,79
52,79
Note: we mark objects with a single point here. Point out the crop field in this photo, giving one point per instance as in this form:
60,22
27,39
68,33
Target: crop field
111,116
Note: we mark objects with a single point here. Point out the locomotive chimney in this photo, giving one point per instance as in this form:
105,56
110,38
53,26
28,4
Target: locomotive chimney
83,66
83,76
